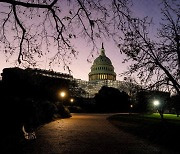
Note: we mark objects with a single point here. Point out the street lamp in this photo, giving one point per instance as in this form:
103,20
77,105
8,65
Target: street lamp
62,94
156,103
159,108
71,100
130,110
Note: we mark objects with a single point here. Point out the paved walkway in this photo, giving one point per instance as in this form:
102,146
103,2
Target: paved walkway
87,134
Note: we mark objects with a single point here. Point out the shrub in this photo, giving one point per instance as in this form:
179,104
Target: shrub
75,109
62,110
111,99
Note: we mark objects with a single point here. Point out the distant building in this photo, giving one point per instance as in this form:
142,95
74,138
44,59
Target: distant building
101,74
102,68
35,71
50,73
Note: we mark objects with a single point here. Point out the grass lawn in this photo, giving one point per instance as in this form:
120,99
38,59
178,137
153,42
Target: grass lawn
166,116
150,127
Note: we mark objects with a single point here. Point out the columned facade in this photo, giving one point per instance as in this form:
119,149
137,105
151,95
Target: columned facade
101,76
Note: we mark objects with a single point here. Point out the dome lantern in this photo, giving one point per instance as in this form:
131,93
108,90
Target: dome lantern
102,50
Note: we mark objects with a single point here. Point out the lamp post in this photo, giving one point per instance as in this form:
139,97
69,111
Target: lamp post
62,95
159,108
71,100
131,107
156,103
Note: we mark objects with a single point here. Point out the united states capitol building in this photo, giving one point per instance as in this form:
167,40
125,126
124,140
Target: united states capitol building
101,74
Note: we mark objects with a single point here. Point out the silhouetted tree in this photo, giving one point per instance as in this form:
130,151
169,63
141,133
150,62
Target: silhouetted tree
175,103
110,99
142,104
155,61
163,98
131,87
145,100
38,25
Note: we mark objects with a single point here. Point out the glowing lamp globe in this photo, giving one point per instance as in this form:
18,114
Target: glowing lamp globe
71,100
62,94
156,103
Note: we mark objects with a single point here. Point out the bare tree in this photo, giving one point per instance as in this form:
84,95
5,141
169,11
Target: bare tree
33,28
155,61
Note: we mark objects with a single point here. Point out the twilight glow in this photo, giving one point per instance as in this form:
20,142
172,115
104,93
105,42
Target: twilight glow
79,66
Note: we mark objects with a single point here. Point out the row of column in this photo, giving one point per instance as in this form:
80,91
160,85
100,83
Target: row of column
102,77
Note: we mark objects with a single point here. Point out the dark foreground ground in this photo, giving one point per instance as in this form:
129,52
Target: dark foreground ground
85,134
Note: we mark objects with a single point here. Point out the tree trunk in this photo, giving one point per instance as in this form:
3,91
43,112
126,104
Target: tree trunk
174,82
161,114
177,112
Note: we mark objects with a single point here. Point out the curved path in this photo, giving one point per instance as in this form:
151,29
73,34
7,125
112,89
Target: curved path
87,134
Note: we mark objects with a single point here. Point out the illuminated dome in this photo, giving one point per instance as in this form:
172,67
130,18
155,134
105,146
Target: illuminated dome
102,68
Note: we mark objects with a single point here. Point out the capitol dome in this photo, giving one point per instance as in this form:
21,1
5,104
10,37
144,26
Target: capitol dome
102,68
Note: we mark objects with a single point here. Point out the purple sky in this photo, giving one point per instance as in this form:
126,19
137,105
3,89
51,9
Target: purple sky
80,67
